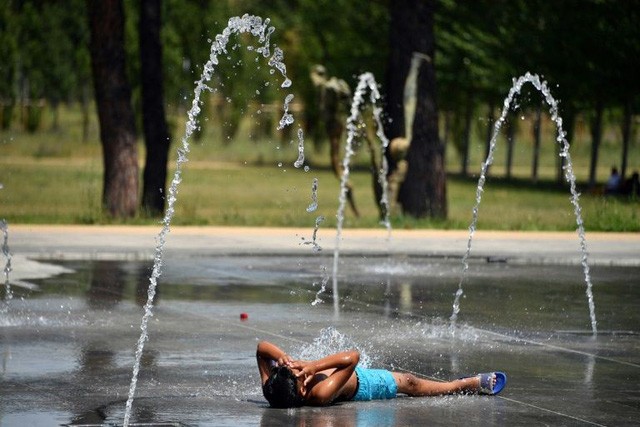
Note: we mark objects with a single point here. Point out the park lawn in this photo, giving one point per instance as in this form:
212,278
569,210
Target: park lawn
68,191
54,177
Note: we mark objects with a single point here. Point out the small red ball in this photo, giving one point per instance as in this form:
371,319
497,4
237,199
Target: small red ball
244,316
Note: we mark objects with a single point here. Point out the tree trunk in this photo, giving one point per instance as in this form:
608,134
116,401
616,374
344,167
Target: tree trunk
398,67
511,140
423,192
487,146
466,137
537,127
113,98
156,133
626,136
85,112
55,115
447,128
596,137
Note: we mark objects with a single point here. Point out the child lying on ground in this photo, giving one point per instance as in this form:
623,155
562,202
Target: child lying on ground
288,383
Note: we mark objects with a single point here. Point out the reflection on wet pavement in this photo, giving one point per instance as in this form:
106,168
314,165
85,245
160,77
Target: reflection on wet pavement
67,348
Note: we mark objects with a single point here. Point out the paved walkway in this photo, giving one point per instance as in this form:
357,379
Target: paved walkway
127,242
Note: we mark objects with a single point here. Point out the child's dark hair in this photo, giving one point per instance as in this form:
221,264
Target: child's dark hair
281,388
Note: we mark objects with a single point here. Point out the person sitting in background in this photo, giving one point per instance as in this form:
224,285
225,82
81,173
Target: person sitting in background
613,183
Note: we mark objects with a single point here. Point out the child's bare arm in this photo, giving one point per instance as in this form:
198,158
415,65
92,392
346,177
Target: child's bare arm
266,354
326,390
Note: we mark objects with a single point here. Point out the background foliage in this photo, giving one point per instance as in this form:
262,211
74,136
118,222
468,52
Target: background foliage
588,50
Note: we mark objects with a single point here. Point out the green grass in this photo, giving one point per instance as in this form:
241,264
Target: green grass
53,177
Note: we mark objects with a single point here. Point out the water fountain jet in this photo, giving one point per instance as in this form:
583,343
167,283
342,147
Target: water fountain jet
366,81
260,29
4,227
569,176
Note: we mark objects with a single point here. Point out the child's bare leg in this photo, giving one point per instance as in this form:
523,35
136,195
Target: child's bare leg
414,386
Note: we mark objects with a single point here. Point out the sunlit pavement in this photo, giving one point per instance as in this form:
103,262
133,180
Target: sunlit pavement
122,242
67,346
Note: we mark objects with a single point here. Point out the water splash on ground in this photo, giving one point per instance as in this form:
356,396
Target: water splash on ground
332,341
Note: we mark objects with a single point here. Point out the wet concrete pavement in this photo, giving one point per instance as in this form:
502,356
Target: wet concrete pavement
68,344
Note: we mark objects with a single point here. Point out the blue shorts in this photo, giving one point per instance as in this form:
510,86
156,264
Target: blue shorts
375,384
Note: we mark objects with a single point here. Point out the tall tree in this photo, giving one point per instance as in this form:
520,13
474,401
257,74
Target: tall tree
398,65
423,192
8,69
512,128
596,139
156,133
626,136
536,130
113,99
